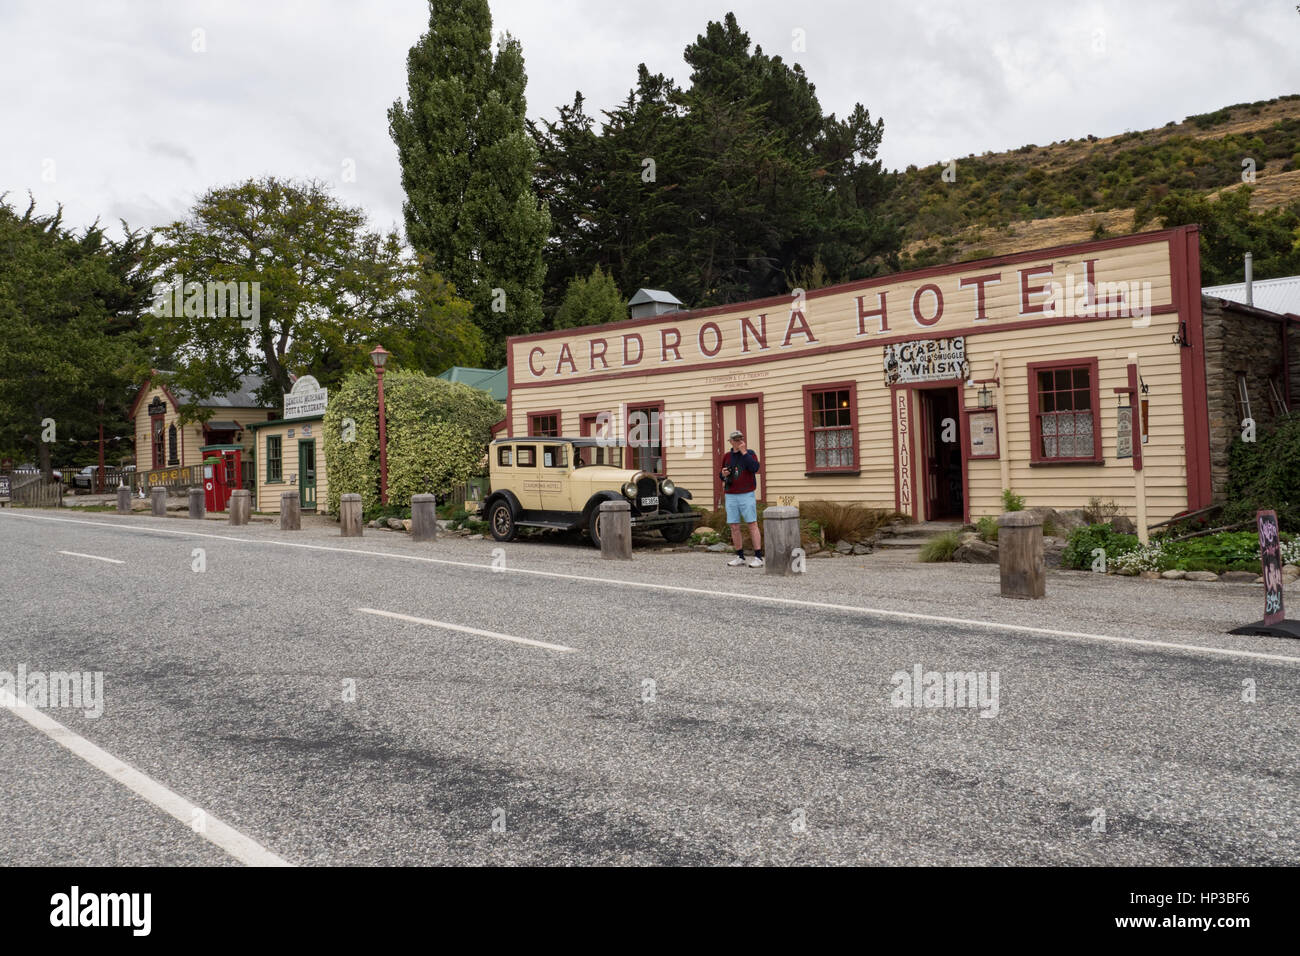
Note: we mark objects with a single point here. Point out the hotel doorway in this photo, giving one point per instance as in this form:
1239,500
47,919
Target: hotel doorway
737,413
941,478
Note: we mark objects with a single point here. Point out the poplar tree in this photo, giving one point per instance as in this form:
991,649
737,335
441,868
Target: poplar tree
467,166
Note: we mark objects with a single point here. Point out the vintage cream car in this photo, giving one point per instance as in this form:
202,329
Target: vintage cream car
560,483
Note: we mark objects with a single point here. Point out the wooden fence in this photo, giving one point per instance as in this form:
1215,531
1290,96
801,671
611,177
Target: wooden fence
35,492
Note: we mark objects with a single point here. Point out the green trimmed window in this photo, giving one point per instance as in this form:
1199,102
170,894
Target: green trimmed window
274,467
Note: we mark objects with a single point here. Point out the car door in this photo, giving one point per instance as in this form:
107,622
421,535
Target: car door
528,483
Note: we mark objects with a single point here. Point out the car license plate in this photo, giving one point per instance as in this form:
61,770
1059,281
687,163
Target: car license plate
650,502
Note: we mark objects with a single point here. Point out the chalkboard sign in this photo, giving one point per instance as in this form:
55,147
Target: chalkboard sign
4,487
1270,556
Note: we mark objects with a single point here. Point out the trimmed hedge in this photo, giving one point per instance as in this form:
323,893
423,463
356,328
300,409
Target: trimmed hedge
437,434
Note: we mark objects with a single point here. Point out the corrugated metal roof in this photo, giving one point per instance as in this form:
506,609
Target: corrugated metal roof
492,381
245,397
1272,295
653,295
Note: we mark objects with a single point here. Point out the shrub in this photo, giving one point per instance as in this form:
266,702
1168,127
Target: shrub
940,548
1264,475
437,434
1099,512
843,521
987,529
1012,501
1145,557
1083,541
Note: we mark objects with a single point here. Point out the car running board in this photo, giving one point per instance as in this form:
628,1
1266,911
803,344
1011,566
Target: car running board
544,524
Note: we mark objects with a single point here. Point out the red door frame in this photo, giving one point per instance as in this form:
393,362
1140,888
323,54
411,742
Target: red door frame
919,511
720,440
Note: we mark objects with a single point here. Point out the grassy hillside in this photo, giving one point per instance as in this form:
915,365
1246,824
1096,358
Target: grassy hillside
1038,196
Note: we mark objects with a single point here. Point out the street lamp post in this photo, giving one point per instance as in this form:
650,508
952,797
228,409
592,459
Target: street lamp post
380,358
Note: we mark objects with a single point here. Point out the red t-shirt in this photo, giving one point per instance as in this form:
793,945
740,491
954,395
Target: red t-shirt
748,465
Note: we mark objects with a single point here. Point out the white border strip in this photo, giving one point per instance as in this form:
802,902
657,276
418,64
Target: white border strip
682,589
463,629
242,848
93,557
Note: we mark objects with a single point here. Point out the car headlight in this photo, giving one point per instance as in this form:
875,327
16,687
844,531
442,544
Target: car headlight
667,487
629,490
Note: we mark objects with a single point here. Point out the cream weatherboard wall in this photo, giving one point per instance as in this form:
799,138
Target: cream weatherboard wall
189,437
837,335
268,493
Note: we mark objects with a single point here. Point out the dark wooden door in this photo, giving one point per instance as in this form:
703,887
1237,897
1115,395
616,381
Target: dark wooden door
942,453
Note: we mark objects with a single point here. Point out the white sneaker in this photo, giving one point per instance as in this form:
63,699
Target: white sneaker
755,562
736,562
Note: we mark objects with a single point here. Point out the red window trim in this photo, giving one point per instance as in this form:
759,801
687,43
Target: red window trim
630,458
559,423
1035,433
587,425
809,453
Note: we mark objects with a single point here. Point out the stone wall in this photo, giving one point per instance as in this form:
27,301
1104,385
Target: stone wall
1238,342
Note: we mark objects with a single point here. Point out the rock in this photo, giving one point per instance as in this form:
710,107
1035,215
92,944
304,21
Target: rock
406,524
1123,525
1150,575
813,548
1174,575
719,547
843,547
1258,580
1069,519
861,548
373,524
1202,576
1238,577
1126,572
1052,550
476,537
1042,514
1290,571
395,524
966,537
977,552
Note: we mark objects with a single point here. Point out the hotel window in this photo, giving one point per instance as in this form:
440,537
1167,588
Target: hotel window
544,425
1063,397
591,426
172,459
274,468
830,427
645,438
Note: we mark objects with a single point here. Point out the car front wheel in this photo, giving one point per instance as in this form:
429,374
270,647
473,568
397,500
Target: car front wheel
677,533
501,522
593,525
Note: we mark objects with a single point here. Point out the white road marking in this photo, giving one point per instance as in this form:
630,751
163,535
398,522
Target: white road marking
242,848
93,557
682,589
463,629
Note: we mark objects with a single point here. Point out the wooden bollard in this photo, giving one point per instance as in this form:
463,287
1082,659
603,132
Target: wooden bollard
290,511
1020,555
424,518
350,515
158,502
616,530
781,540
196,503
241,506
123,500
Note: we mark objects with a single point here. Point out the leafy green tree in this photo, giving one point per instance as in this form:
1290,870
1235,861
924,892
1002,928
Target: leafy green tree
591,301
328,290
70,307
467,167
1229,230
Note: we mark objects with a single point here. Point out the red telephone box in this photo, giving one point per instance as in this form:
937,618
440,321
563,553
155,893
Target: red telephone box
222,474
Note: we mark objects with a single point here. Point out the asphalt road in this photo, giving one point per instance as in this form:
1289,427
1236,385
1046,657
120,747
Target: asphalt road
768,735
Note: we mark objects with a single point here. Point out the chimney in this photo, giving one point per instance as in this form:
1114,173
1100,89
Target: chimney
1250,279
649,302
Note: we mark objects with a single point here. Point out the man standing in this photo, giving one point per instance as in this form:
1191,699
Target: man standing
739,466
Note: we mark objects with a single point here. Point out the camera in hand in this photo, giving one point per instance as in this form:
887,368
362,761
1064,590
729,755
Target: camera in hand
728,475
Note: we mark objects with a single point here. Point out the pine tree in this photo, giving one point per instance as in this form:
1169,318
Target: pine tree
467,167
591,301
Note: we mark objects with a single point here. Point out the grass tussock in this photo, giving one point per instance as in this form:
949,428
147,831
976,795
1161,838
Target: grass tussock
940,548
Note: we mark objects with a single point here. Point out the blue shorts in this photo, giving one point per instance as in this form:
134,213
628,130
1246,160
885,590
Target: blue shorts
741,508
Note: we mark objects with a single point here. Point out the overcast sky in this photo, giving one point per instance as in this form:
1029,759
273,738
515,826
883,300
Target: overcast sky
111,108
